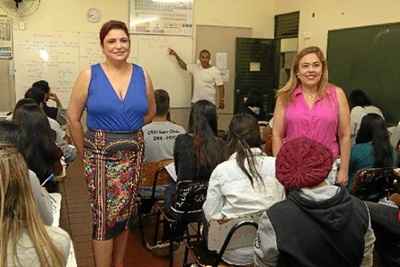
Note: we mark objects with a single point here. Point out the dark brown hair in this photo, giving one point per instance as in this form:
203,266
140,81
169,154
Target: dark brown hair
162,102
112,25
243,135
205,51
203,125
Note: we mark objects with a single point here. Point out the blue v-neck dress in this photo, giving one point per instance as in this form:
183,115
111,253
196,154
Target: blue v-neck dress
113,153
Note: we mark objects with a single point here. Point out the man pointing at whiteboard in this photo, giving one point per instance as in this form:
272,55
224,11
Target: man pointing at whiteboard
206,78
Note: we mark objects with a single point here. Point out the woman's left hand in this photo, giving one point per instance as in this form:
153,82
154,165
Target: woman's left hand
342,178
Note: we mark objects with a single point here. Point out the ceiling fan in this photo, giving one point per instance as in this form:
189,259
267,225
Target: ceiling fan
19,8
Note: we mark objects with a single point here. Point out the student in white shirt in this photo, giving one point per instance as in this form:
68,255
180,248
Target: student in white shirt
206,78
245,184
160,134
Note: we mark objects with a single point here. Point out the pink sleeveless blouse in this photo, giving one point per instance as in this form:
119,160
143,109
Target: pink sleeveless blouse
320,123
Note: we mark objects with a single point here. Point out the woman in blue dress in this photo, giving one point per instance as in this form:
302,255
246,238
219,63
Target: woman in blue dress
118,98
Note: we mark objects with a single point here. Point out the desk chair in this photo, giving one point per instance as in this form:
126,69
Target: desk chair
373,184
153,178
187,209
236,235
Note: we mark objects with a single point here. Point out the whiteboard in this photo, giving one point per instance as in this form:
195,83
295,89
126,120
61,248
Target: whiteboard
163,68
59,57
52,57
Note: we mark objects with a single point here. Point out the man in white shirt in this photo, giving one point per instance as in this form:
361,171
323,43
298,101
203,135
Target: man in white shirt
160,134
206,78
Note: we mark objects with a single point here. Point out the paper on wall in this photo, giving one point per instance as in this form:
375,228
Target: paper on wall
221,60
255,66
225,75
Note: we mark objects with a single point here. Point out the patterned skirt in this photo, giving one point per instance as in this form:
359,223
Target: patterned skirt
113,162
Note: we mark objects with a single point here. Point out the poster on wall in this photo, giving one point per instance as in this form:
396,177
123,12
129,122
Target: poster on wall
161,17
5,38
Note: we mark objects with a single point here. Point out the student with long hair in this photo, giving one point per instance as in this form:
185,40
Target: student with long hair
309,106
24,239
9,133
372,148
245,184
69,151
37,141
199,151
56,113
360,105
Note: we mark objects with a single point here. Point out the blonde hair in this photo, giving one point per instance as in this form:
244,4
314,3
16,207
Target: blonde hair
285,93
18,213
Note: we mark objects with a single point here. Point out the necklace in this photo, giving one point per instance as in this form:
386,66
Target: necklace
311,97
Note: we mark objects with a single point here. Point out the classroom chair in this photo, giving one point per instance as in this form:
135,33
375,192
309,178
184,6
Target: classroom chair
374,184
186,210
235,234
153,181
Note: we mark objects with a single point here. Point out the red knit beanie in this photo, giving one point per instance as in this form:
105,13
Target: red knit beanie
302,162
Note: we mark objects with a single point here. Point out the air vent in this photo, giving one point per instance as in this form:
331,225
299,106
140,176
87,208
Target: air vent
287,25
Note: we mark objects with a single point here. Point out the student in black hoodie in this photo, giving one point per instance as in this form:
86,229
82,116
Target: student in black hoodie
386,224
319,224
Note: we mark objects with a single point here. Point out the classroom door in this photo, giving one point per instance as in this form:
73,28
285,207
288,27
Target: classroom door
221,40
257,65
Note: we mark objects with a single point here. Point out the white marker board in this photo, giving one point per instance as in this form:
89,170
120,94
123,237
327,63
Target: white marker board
59,57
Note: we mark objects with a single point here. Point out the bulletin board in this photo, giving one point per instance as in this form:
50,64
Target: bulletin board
59,57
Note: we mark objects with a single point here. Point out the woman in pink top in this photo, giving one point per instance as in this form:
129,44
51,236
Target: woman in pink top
309,106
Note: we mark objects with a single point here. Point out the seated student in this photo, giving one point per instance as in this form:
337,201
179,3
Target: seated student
372,148
159,140
160,134
253,105
55,113
360,105
8,138
386,224
199,151
319,224
37,142
24,239
243,185
69,151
